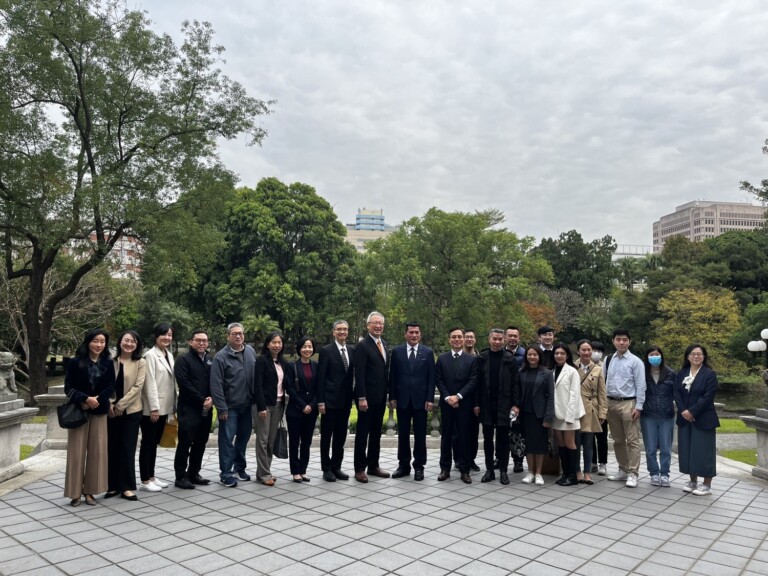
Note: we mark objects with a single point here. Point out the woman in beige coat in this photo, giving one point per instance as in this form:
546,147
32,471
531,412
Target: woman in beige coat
125,416
595,406
159,399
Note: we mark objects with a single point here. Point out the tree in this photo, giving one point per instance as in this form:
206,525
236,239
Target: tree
578,265
568,305
102,123
709,318
286,257
454,268
762,191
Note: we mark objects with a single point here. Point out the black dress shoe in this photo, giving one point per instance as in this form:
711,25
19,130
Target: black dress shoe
504,478
444,475
112,494
184,484
466,478
198,480
400,473
488,476
418,475
132,497
329,476
474,467
340,475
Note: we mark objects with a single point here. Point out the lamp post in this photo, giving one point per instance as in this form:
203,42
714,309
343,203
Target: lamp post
757,346
760,420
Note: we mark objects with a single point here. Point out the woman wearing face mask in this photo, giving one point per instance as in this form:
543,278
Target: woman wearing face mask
658,419
568,411
301,412
600,445
697,421
595,405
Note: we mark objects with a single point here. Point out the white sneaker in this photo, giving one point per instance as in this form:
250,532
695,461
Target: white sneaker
689,487
160,483
602,470
655,480
528,478
664,481
149,487
539,481
701,490
620,476
631,481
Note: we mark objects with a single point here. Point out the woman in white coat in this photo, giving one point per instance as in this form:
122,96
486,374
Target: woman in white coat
159,399
568,410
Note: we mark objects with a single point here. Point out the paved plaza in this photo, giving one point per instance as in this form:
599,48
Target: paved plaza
386,526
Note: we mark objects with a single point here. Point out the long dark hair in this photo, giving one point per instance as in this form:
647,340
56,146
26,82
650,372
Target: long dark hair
568,355
266,352
526,365
654,348
83,353
687,363
136,354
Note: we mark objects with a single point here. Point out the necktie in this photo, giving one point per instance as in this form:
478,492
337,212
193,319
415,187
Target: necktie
380,347
412,356
344,359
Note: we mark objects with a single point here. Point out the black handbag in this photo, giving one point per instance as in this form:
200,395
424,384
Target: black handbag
71,415
280,447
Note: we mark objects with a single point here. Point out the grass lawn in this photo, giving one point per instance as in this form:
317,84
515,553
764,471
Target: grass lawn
733,426
38,420
24,451
746,456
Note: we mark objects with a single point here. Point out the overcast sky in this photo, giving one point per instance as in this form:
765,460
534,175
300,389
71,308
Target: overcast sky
595,115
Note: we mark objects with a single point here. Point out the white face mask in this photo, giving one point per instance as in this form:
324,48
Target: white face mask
596,357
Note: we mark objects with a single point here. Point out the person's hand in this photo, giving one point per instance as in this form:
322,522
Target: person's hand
321,408
307,409
477,410
263,414
222,415
92,402
362,405
687,415
428,406
516,410
112,410
154,416
546,424
636,414
208,403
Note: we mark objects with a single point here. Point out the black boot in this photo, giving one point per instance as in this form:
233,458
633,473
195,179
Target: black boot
573,466
563,453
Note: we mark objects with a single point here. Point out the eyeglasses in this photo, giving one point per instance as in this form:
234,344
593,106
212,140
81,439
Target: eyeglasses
237,334
200,340
696,354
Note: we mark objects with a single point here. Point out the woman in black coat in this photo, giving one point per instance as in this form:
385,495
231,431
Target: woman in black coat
537,410
301,412
697,421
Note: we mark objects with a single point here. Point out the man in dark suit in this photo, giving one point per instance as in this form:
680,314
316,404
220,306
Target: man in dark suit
456,378
412,393
335,375
370,360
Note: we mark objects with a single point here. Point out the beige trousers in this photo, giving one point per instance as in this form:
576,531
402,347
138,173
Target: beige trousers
87,458
626,435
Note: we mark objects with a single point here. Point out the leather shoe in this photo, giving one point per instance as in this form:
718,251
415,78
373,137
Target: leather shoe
340,475
399,473
198,480
361,477
488,476
184,484
503,478
112,494
379,473
444,475
466,478
329,476
418,475
132,497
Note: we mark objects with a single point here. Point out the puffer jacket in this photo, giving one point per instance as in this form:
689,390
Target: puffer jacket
658,396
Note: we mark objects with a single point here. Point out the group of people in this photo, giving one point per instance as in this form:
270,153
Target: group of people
524,398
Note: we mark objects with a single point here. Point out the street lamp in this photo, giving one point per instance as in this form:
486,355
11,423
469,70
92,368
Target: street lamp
756,346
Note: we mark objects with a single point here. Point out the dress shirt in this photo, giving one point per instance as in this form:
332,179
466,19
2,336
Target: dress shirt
625,378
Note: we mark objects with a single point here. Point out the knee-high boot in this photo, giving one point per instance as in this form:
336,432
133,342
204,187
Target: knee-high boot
563,452
573,466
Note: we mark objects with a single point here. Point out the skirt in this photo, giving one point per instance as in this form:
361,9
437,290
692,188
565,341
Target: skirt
696,451
536,436
558,424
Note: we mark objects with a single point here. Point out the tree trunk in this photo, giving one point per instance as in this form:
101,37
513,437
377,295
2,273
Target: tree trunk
38,322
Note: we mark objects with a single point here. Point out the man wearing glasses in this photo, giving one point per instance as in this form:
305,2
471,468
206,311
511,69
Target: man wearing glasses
232,375
193,375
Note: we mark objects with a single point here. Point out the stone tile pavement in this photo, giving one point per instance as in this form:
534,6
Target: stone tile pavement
388,527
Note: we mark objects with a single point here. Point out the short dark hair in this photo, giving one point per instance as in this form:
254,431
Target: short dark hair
512,328
536,349
161,328
470,330
412,325
597,345
544,330
621,332
197,331
456,328
300,344
687,363
136,354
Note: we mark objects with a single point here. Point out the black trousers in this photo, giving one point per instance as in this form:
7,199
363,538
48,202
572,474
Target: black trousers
600,447
151,433
474,438
456,428
334,426
194,430
123,434
502,446
405,416
368,437
300,431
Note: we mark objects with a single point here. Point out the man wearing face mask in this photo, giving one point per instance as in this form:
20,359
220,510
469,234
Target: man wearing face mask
600,445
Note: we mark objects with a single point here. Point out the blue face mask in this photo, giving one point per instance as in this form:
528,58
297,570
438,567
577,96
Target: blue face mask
654,361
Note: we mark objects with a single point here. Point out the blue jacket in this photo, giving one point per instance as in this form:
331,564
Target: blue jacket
412,385
659,396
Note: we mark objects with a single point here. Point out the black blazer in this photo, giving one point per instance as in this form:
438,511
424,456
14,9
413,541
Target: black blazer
412,385
509,389
77,383
371,371
543,393
302,393
265,381
457,377
334,385
699,400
